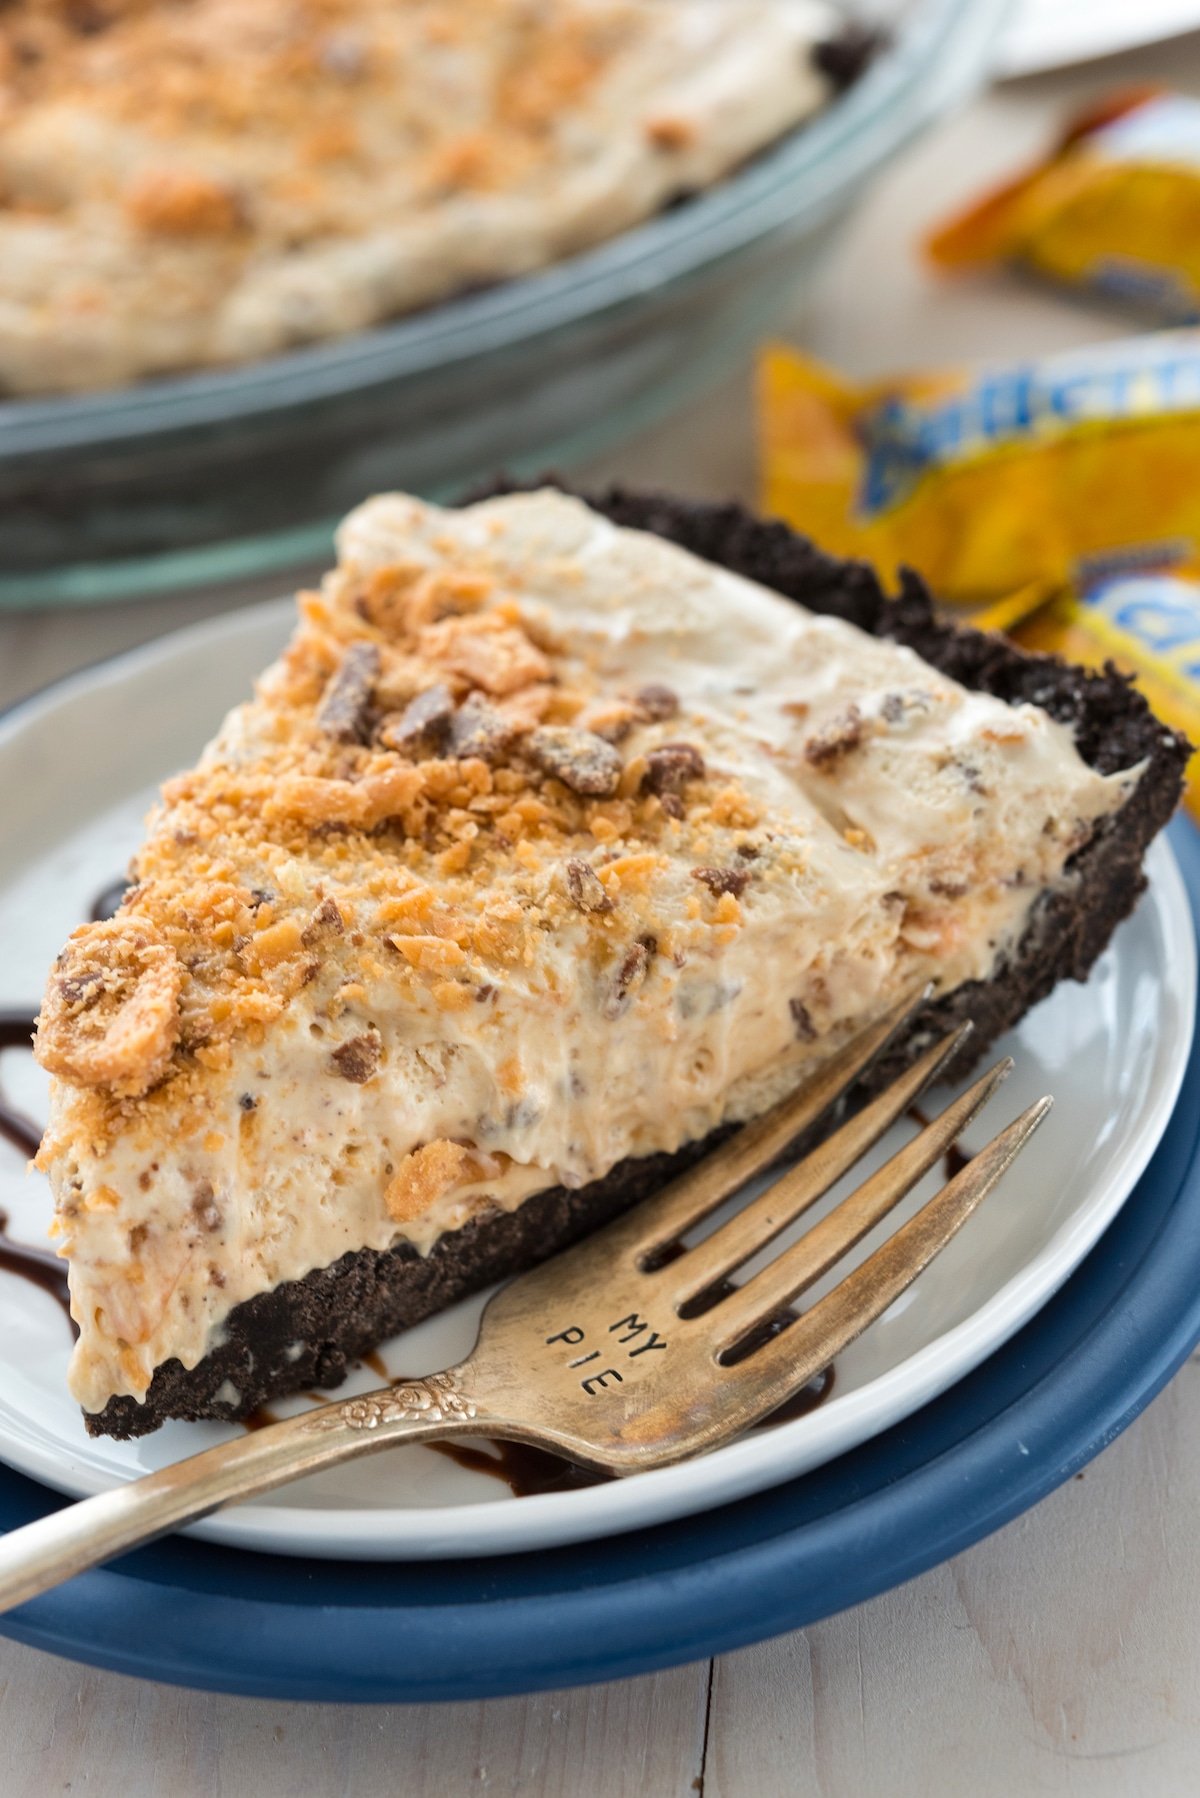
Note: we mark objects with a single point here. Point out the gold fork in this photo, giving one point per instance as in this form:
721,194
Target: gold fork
630,1350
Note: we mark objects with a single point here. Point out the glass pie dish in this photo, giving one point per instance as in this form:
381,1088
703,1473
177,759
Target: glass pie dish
223,474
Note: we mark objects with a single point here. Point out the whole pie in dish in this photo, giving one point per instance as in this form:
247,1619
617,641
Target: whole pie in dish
195,182
559,837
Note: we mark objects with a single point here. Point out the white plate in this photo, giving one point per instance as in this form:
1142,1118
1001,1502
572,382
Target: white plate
1050,34
77,766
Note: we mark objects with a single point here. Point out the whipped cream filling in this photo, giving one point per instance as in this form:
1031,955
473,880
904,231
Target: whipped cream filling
369,169
892,827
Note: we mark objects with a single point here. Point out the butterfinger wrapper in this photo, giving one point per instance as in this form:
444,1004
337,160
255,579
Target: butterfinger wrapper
1115,209
1020,478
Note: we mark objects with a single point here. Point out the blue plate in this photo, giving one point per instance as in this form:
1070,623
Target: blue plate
993,1445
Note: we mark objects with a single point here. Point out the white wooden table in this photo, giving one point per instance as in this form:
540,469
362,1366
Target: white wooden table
1060,1657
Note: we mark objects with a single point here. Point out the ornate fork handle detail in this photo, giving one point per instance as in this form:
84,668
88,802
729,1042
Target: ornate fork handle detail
435,1398
65,1542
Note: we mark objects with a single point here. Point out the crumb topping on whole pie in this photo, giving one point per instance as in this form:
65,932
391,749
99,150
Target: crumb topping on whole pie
206,181
544,844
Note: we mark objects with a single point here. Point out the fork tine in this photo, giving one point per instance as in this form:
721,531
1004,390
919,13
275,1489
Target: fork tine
758,1223
689,1199
805,1261
790,1359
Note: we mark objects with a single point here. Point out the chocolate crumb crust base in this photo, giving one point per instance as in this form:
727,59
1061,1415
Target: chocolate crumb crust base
308,1333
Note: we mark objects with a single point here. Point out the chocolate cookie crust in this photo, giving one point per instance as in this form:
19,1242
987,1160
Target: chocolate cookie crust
308,1332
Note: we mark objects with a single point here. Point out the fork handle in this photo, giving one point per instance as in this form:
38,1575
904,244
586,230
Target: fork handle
56,1547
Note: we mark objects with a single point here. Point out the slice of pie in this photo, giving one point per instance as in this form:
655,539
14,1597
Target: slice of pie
548,847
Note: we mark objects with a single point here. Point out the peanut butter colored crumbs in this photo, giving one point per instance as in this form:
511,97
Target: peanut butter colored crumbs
453,866
429,1172
187,183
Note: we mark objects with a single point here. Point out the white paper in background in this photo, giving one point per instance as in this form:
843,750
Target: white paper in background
1050,34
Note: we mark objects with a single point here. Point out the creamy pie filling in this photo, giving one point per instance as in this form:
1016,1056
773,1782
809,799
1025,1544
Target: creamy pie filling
543,845
209,181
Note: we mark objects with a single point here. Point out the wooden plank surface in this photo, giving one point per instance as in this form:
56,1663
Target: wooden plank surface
1062,1657
69,1729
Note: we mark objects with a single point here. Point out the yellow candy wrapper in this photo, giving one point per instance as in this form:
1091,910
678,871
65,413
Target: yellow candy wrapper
1148,624
1017,479
1115,208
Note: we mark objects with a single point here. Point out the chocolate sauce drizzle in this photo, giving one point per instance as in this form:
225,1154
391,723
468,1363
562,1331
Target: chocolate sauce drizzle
260,1418
39,1266
528,1472
108,900
16,1032
956,1157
